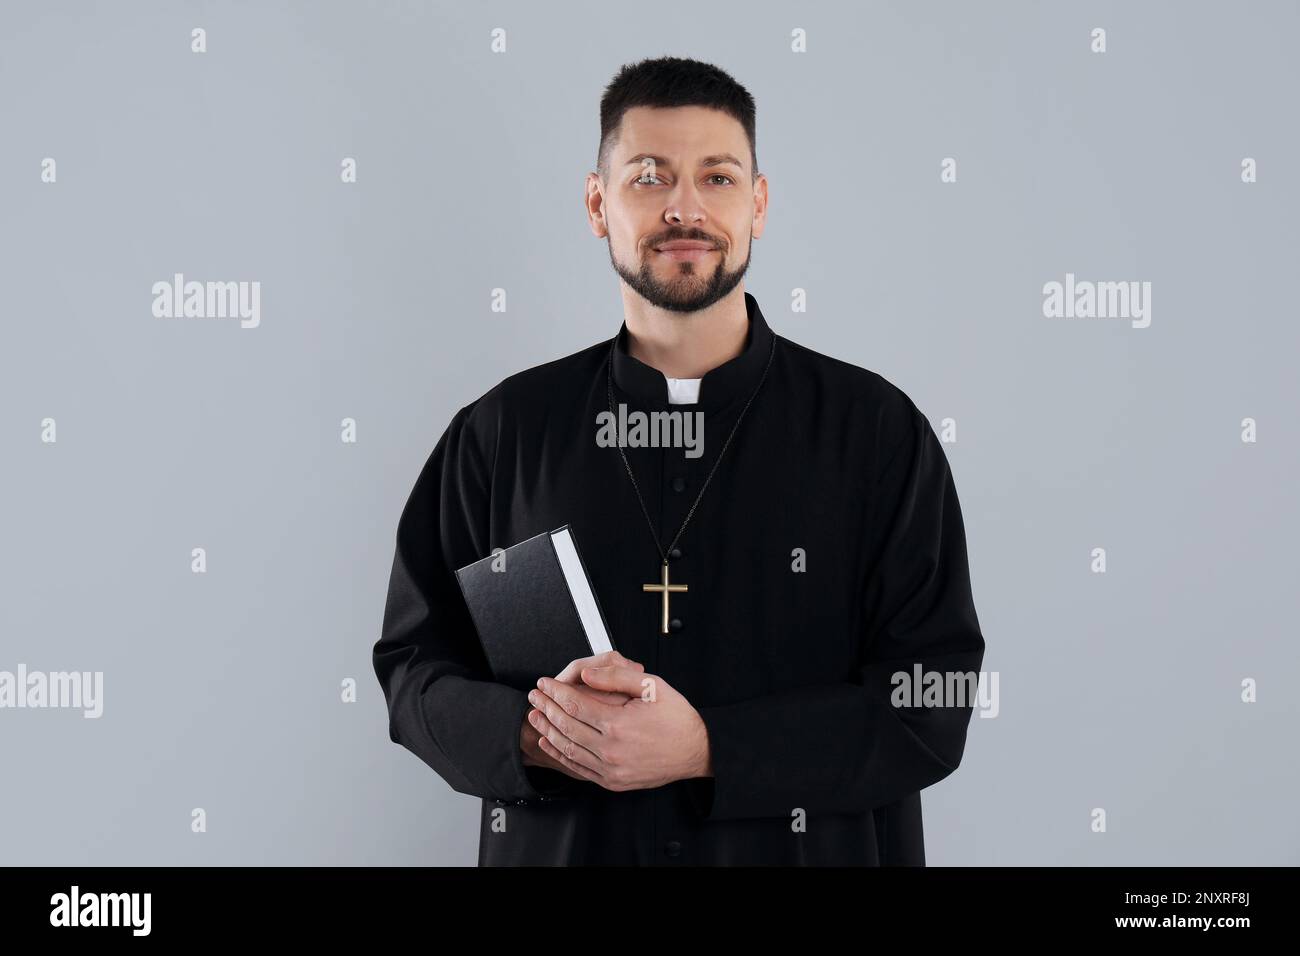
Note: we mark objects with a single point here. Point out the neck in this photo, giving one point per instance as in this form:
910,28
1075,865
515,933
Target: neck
686,344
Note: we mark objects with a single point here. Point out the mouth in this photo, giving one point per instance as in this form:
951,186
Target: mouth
686,250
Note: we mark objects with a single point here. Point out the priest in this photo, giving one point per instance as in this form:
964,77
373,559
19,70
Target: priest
764,595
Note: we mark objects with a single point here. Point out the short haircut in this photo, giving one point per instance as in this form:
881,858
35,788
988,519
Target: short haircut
667,82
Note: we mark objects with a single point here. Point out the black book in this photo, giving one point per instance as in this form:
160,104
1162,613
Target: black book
534,609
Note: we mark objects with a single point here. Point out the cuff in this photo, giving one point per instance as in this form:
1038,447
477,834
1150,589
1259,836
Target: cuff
533,784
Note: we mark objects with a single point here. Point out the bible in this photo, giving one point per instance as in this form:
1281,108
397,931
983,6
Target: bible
534,608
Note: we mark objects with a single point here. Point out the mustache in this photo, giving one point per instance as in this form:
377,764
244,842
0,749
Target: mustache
696,237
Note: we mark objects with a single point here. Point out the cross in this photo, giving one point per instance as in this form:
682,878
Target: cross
664,589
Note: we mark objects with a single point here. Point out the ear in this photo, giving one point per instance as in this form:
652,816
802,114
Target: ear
593,200
760,206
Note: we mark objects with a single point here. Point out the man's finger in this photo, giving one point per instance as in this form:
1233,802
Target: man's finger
570,673
614,698
563,740
614,677
575,769
578,702
570,726
538,757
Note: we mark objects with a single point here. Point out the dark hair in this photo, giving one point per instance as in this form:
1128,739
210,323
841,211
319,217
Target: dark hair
667,82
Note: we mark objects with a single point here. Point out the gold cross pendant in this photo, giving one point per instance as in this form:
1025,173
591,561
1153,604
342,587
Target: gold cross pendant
665,588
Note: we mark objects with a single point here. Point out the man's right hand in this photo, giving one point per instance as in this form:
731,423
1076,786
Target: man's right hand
534,756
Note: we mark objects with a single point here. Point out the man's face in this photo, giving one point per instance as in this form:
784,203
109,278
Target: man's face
680,209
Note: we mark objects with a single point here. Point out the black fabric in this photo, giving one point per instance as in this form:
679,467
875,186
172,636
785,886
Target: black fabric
789,670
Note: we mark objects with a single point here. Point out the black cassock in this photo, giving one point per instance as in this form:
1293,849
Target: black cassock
828,554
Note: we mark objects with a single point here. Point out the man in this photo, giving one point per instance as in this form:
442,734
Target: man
749,718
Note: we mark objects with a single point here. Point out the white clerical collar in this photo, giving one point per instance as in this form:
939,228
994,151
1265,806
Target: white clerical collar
683,391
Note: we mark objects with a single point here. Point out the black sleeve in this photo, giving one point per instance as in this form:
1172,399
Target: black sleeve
443,705
845,747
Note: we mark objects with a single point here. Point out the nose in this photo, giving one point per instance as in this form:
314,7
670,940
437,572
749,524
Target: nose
685,204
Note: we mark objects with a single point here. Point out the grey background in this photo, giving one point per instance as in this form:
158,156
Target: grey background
222,690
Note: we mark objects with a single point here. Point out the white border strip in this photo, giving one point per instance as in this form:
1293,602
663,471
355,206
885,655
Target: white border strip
583,599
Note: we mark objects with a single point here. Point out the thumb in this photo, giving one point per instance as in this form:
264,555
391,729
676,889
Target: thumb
614,678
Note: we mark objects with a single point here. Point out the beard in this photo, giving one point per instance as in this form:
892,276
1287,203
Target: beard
689,288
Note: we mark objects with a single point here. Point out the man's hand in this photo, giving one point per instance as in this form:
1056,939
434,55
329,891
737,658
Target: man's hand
651,739
533,756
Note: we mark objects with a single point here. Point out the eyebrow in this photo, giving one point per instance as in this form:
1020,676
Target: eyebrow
718,159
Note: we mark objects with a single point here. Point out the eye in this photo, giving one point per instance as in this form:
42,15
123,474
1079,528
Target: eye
641,180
